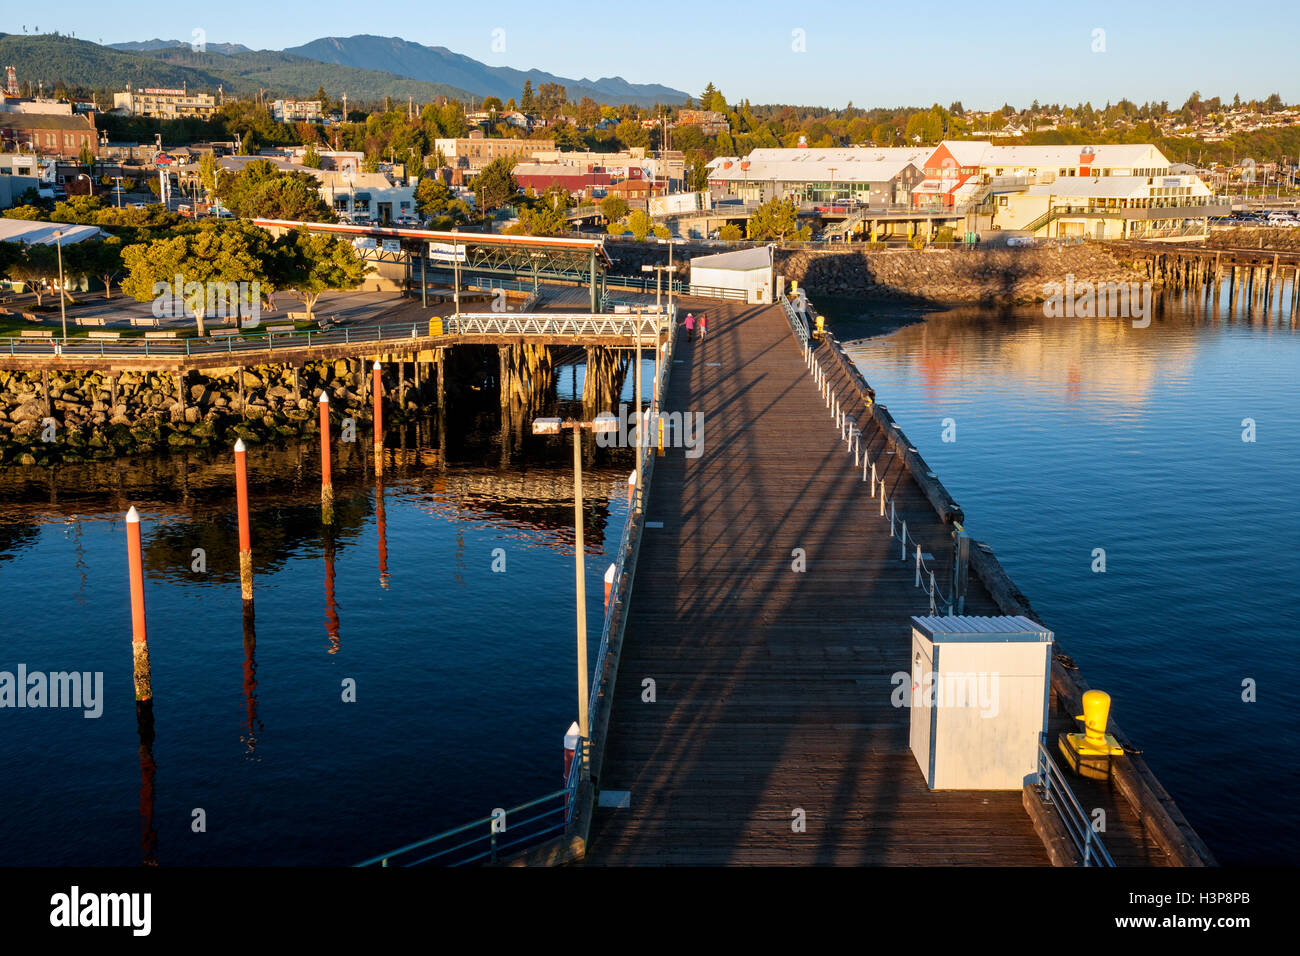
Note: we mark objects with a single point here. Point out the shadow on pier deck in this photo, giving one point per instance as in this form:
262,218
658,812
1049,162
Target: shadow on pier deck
773,687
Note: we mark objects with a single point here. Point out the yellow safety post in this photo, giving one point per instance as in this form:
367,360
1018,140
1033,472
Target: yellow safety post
1089,753
435,325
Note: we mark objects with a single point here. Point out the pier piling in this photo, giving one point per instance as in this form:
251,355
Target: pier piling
326,481
377,390
139,633
245,533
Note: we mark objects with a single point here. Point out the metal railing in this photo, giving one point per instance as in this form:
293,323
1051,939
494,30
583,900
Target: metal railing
491,323
715,292
487,838
798,325
1056,792
624,324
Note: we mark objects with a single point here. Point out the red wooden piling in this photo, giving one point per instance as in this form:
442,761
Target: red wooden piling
245,534
326,481
139,634
378,394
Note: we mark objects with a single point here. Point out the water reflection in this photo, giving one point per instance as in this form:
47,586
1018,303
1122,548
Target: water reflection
471,708
1078,434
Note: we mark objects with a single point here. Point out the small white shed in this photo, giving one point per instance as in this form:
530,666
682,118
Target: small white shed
979,700
746,271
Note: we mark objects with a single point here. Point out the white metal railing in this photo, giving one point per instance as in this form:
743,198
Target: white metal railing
554,323
797,323
1056,792
715,292
851,434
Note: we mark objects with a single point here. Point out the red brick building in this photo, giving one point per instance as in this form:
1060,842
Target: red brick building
49,134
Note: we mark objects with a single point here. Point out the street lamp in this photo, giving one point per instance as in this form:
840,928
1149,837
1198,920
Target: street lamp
63,313
603,423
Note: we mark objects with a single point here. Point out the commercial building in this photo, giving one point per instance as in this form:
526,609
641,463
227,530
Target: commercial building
1110,207
51,134
297,111
367,197
470,154
962,171
876,176
157,103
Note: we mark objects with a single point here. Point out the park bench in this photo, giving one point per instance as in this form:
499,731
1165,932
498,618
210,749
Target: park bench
103,334
97,320
222,333
147,323
161,334
297,316
30,318
36,333
280,328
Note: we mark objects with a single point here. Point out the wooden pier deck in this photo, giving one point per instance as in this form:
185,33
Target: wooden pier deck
773,686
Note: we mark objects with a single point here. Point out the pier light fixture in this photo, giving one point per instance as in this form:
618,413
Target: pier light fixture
602,423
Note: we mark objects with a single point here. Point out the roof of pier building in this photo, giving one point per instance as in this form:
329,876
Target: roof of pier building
849,165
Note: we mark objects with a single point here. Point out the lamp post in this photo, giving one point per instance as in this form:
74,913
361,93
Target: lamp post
603,423
63,313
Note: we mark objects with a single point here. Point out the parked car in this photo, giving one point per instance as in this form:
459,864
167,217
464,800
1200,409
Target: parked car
1020,240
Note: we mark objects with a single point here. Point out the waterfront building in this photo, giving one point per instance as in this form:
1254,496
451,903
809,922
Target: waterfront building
48,133
1109,207
878,176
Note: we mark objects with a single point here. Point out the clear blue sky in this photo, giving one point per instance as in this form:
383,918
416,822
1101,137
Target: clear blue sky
874,54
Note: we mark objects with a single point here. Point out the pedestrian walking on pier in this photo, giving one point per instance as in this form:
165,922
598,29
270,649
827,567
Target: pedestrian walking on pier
704,326
690,327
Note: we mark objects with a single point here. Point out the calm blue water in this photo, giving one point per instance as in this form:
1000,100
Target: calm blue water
465,677
1077,434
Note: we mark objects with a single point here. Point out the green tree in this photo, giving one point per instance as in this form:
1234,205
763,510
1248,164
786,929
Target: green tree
436,202
541,220
731,232
34,265
613,208
311,159
309,264
776,219
551,98
639,224
496,185
213,254
527,103
99,260
261,191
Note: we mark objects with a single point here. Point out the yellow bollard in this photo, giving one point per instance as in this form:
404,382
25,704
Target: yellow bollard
820,327
1089,753
661,436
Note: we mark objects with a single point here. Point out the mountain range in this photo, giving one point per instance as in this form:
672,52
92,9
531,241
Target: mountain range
367,68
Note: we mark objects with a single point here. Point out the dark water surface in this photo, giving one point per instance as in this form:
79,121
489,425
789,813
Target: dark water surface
465,676
1078,434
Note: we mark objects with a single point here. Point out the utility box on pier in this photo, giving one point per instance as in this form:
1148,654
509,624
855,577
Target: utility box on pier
979,699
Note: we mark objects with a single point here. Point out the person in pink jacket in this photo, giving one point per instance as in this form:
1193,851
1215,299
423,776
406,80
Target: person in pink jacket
690,327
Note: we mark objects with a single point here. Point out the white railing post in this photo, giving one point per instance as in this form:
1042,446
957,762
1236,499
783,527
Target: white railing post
918,565
891,519
902,543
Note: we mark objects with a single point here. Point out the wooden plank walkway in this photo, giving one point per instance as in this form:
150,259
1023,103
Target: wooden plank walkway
773,687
